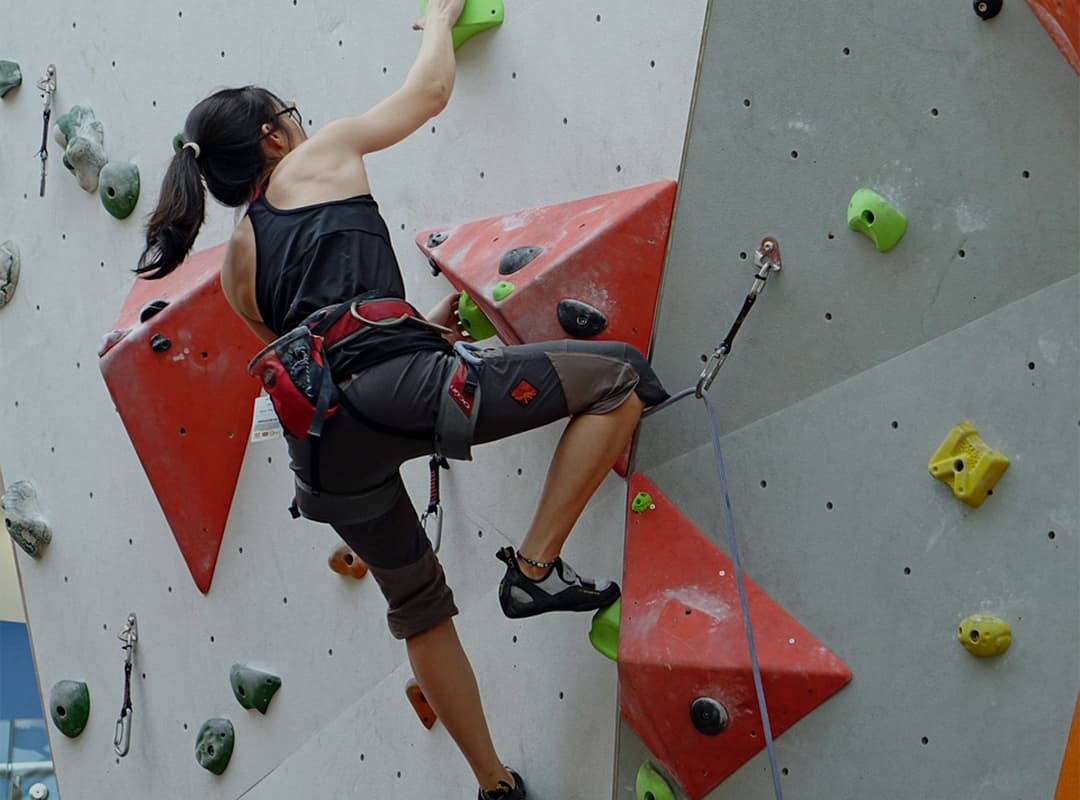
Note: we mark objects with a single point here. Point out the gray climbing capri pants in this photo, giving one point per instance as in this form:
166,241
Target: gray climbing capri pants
392,420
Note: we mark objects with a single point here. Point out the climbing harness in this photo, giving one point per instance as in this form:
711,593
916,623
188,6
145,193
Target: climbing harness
130,635
767,260
434,508
47,85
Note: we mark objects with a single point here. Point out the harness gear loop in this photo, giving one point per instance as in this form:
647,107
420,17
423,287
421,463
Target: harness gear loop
122,739
767,260
434,506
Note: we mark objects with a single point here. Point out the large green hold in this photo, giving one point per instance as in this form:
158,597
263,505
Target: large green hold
253,688
604,633
473,319
69,706
10,76
870,213
214,745
650,784
476,17
118,188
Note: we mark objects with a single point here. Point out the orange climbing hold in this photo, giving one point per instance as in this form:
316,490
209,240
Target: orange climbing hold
1061,18
344,561
685,680
420,704
1068,787
587,268
178,380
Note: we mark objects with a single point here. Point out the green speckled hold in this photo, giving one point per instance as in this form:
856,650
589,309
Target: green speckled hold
214,745
650,785
10,261
502,290
10,76
473,319
178,142
253,688
604,633
23,519
118,187
69,706
870,213
641,503
83,140
476,17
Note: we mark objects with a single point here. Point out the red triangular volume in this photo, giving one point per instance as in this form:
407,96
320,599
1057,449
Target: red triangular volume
180,384
595,263
682,638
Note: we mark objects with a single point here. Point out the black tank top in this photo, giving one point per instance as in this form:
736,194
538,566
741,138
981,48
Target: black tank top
315,256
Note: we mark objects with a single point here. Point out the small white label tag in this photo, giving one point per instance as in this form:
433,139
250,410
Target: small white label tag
264,423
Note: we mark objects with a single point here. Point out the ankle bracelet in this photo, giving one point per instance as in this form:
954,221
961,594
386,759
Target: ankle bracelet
537,564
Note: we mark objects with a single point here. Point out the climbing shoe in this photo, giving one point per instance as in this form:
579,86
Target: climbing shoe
505,792
560,590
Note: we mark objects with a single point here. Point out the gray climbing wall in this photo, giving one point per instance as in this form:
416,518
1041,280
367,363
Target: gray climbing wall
564,101
855,364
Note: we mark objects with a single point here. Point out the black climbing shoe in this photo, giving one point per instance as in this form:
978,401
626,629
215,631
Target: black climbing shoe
560,590
504,792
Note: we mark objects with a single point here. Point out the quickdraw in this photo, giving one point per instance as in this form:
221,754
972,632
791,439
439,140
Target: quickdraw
47,85
129,636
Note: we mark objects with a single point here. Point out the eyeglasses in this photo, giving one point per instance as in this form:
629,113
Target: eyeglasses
294,115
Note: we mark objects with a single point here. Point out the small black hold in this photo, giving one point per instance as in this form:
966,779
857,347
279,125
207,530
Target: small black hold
159,344
580,319
152,308
987,9
708,716
435,239
435,270
517,258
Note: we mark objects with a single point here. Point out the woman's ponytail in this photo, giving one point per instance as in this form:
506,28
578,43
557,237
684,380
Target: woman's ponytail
175,223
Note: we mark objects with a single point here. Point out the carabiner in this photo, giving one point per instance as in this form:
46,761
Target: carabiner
122,739
438,525
129,636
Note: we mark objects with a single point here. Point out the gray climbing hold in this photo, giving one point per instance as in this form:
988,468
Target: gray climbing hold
253,688
9,271
10,76
69,706
119,188
24,520
83,140
214,745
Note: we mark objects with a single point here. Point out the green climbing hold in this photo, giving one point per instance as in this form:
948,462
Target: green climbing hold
82,136
650,784
214,745
473,319
178,142
253,688
10,76
870,213
118,187
641,503
69,706
604,633
984,636
502,290
477,17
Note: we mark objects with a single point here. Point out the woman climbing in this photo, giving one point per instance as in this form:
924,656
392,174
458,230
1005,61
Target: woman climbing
313,238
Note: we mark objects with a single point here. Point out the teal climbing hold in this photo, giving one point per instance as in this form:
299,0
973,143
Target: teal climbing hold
178,142
214,745
604,633
118,187
83,138
641,503
69,707
476,17
502,290
473,319
253,688
650,784
872,214
10,76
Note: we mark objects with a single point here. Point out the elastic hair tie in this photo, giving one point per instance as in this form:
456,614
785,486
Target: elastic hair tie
194,146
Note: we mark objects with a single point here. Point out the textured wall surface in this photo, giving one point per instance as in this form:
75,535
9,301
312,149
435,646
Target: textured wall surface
854,365
563,101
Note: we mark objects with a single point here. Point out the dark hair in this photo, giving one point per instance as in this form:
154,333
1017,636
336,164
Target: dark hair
226,128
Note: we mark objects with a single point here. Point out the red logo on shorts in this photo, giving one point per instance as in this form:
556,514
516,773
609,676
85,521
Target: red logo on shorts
524,392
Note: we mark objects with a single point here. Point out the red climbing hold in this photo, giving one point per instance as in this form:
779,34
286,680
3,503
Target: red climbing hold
595,263
682,640
179,382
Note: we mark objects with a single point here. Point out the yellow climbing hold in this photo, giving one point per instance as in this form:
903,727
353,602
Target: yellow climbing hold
984,635
967,464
